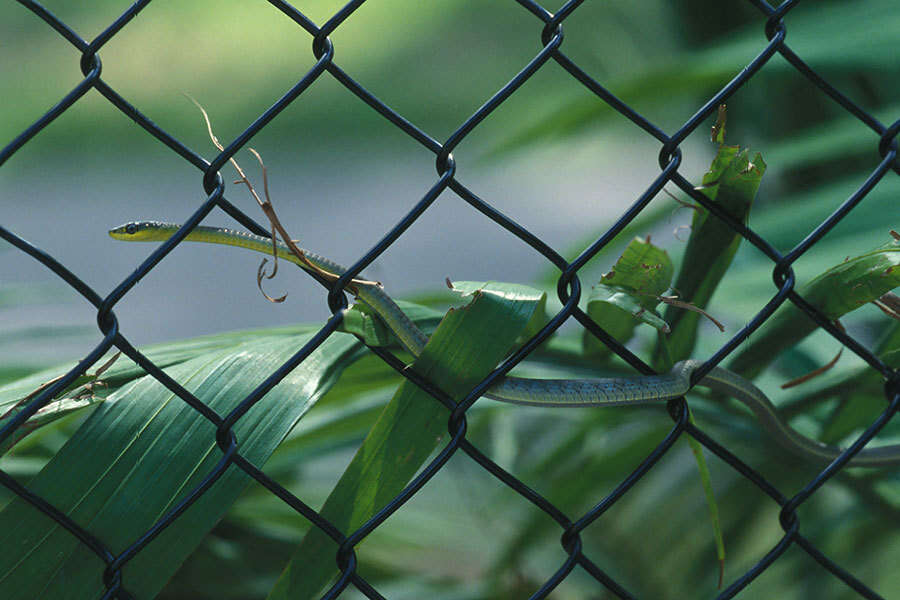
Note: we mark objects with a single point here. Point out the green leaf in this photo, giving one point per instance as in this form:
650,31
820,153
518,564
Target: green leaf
86,390
162,355
643,268
839,290
619,312
142,450
466,345
50,413
731,182
629,294
709,493
856,281
467,289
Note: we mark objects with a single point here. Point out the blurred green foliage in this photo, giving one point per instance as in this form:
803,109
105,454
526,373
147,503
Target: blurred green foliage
239,57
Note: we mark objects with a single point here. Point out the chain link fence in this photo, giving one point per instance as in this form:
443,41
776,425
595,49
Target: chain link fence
773,46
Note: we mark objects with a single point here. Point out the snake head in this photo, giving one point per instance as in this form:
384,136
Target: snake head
143,231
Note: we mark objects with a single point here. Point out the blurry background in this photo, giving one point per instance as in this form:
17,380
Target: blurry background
553,157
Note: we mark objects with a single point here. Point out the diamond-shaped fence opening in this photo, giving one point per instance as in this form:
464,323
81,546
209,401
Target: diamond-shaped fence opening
77,531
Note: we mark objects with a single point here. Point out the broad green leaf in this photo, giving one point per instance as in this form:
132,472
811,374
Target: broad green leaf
50,413
839,290
9,374
629,294
162,355
85,391
466,345
141,451
78,396
731,183
467,289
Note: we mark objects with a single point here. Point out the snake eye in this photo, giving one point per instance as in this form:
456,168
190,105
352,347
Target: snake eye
131,228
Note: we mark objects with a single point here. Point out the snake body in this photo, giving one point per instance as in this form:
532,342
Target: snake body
613,391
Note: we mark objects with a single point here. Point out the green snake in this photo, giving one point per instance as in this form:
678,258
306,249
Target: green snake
615,391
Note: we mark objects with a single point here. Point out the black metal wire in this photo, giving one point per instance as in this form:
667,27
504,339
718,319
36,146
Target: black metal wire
551,39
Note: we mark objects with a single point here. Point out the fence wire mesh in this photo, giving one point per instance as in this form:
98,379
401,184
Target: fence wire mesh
773,46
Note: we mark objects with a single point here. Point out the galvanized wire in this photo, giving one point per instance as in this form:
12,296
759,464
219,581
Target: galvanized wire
773,43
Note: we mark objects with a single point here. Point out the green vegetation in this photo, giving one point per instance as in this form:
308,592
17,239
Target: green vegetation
119,468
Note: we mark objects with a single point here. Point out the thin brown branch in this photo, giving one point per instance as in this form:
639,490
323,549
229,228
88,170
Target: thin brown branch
823,369
683,203
813,374
269,211
673,301
27,398
889,304
260,275
102,368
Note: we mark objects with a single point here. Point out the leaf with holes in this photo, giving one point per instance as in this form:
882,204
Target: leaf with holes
629,294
